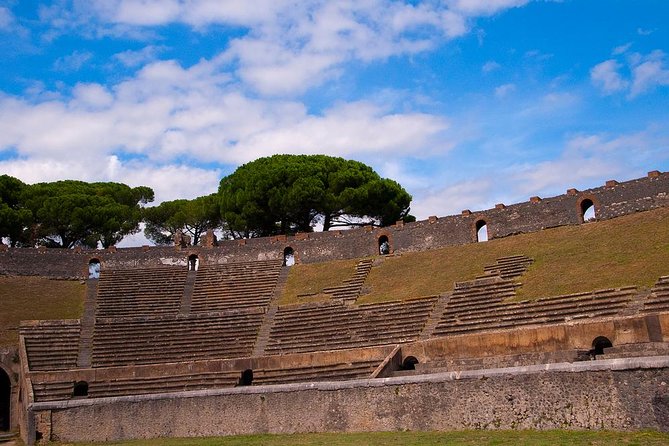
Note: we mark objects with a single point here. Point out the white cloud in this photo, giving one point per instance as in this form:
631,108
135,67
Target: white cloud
167,113
6,19
286,47
472,194
72,62
484,7
646,72
605,75
622,49
490,66
137,58
504,90
169,182
651,72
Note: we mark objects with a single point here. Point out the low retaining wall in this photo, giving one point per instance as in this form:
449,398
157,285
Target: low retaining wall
620,394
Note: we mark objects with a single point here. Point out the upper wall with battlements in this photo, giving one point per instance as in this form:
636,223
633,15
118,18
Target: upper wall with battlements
612,200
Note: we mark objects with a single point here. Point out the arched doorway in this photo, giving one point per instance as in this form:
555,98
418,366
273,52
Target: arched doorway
588,211
80,389
5,400
246,378
481,231
288,256
193,262
599,344
94,269
409,363
384,245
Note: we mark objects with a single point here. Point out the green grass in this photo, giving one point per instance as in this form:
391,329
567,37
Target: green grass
630,250
312,278
27,298
460,438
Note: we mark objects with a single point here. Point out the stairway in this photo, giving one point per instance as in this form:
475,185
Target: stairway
187,298
435,316
268,320
351,288
87,324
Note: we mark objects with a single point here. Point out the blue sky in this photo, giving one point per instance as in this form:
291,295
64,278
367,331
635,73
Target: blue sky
466,103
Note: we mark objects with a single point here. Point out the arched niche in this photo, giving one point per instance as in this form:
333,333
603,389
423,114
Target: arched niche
94,267
288,256
481,228
384,245
193,262
587,210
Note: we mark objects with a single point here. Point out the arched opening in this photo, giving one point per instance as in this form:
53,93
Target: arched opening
599,344
246,379
288,256
5,400
384,245
94,269
80,389
588,210
409,363
193,262
481,231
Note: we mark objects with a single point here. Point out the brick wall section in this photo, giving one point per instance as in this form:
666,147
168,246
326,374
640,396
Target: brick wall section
612,200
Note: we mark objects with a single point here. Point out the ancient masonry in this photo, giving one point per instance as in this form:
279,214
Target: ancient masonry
191,341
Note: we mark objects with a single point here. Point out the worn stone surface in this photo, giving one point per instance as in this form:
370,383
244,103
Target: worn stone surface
618,394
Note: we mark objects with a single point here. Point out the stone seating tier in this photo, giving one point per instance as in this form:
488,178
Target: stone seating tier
234,285
62,390
659,297
51,345
177,338
337,326
508,267
132,292
500,315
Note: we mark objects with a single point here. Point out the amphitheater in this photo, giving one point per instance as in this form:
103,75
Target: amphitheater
227,339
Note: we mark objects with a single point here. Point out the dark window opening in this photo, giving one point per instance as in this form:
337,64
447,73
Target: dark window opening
481,231
599,344
288,256
409,363
5,400
384,245
80,389
94,269
588,211
193,262
247,378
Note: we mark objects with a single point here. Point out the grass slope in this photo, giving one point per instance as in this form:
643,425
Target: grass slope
460,438
630,250
26,298
313,278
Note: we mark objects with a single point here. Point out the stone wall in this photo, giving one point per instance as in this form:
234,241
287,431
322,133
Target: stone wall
612,200
618,394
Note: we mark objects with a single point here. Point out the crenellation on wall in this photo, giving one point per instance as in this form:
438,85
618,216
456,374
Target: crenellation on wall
610,201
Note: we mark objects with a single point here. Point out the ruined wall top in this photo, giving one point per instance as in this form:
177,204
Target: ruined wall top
612,200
